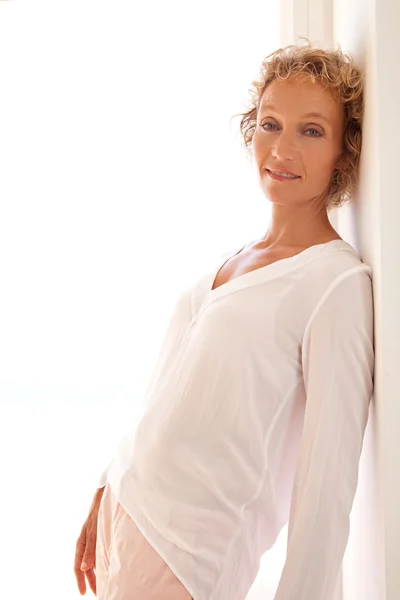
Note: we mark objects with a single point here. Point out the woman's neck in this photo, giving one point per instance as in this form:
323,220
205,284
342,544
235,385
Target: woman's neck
296,228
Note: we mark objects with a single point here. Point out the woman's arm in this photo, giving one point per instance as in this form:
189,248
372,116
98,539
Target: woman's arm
337,356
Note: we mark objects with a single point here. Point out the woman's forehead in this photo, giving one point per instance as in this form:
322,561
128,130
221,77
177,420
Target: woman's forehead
300,97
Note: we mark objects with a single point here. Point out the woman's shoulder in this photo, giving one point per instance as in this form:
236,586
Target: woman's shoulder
337,274
337,258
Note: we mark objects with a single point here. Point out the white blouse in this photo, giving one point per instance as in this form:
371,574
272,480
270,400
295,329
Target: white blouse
254,417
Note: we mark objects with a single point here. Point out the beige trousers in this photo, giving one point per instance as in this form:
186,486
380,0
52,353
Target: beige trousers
127,567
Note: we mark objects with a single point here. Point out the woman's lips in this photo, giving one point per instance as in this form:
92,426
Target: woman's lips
276,177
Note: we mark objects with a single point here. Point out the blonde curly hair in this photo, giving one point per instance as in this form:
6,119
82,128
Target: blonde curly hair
339,74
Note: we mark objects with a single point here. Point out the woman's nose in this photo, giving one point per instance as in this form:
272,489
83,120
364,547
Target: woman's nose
284,147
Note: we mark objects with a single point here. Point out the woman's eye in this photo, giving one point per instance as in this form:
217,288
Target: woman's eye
318,134
265,126
311,132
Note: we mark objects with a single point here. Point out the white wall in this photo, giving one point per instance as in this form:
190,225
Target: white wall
387,16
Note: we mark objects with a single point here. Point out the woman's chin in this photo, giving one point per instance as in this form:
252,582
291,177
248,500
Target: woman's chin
284,199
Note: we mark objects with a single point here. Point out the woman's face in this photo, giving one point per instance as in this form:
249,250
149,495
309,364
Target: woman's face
299,129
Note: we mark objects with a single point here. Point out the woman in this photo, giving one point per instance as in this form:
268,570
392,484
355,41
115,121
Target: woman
256,413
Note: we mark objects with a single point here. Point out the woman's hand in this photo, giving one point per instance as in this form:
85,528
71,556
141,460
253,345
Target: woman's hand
85,555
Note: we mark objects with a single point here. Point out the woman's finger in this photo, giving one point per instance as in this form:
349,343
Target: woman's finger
91,577
89,555
79,574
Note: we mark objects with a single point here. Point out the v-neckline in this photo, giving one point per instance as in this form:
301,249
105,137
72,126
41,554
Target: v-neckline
203,295
271,269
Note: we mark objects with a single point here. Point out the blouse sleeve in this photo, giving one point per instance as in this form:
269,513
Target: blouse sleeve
103,479
338,363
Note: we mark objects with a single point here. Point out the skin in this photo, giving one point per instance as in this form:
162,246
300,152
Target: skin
310,147
85,553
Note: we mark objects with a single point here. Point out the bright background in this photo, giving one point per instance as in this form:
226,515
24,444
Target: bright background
121,177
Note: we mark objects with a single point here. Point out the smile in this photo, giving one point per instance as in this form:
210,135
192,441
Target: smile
279,176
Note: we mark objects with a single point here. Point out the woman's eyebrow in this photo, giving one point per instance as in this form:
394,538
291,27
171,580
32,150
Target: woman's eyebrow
316,114
307,116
